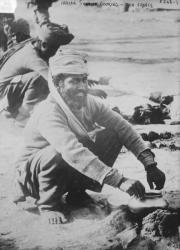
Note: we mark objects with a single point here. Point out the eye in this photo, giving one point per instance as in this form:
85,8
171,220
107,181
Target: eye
75,81
84,79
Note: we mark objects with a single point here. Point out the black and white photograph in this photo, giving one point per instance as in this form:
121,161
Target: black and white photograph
89,124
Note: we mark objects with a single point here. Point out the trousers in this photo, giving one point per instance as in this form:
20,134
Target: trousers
51,176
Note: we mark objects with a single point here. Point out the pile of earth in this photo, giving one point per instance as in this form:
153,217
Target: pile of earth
98,227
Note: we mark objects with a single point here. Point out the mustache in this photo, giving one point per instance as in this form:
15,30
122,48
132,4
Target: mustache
80,91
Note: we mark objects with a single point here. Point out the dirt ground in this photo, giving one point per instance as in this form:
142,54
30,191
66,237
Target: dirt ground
93,227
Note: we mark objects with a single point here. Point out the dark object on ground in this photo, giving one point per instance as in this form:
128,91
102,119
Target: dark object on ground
169,145
160,223
148,114
166,135
173,147
144,136
153,145
167,99
142,115
162,145
152,136
162,140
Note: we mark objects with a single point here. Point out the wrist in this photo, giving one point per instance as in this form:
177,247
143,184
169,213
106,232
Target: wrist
147,158
113,178
151,167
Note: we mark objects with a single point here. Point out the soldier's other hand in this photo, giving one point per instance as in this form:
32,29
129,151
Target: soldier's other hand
133,187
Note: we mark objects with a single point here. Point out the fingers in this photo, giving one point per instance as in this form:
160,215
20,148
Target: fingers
140,190
161,182
133,187
150,183
159,186
156,177
137,189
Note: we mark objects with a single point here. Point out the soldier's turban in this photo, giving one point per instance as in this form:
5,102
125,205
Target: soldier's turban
68,62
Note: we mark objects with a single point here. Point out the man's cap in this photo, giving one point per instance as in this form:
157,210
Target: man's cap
68,61
54,34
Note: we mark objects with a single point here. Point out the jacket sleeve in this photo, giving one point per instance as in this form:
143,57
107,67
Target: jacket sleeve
36,63
108,118
53,126
40,66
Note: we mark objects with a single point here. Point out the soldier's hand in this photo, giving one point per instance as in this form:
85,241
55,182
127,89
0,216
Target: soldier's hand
130,186
133,187
155,177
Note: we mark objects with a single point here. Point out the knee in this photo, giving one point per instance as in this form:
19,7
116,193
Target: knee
108,134
109,139
48,158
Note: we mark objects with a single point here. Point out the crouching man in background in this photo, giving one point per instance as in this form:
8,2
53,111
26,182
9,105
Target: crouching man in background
66,150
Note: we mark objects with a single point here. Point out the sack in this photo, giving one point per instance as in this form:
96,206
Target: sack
7,54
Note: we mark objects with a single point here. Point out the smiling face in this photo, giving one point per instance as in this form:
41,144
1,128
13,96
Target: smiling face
73,88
